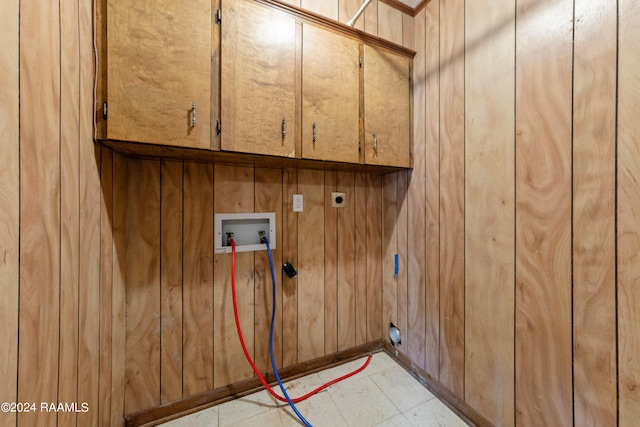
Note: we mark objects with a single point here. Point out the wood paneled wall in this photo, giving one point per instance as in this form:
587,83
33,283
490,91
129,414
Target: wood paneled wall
518,230
111,294
180,336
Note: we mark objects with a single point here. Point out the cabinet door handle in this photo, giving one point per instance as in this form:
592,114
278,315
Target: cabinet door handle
193,114
375,142
315,133
284,128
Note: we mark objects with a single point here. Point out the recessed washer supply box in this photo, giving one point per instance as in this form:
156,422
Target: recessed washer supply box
246,228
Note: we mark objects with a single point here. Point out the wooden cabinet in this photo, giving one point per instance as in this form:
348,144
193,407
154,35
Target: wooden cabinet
258,79
387,108
281,82
158,72
330,96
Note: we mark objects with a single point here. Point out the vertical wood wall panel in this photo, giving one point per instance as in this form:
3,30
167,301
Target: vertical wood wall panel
89,296
330,266
118,293
106,286
348,9
360,226
69,208
9,205
432,186
489,209
269,190
171,286
416,254
327,8
373,297
452,195
389,251
628,214
90,228
543,213
311,266
290,254
198,340
346,263
594,297
142,273
389,23
403,258
39,208
371,18
234,192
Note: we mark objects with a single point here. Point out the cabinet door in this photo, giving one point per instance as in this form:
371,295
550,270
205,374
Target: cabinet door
258,73
387,108
158,68
330,96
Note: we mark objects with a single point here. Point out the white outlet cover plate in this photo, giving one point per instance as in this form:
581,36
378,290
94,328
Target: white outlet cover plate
298,203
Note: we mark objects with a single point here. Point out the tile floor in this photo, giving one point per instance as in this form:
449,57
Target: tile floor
384,394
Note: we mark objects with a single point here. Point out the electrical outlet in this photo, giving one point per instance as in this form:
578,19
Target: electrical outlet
338,200
298,203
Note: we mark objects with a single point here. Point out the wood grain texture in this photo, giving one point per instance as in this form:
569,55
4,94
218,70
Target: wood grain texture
290,254
39,305
151,95
142,273
311,266
268,198
489,209
594,148
106,285
346,263
452,196
347,9
390,23
543,213
360,252
90,160
628,214
416,253
119,296
389,251
89,274
432,189
407,31
326,8
330,265
171,276
9,205
198,339
371,18
234,192
329,105
386,94
373,256
69,208
403,256
258,79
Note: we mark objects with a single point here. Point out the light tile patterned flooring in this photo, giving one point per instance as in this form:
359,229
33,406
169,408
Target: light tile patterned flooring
384,394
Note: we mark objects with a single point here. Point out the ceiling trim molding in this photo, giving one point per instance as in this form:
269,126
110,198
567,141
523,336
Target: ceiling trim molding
411,11
396,4
421,6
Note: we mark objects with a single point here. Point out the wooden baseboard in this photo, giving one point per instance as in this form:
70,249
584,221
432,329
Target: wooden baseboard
455,403
163,413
